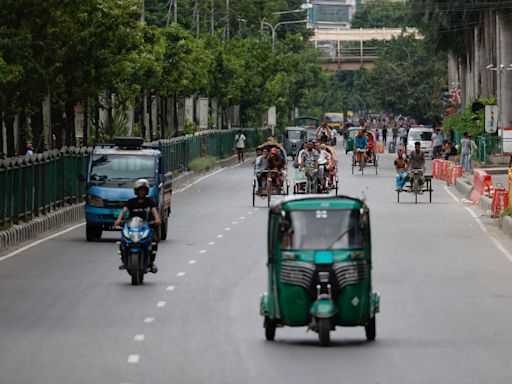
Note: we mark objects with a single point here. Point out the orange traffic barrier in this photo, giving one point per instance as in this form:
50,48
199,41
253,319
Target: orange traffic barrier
482,183
499,201
379,147
435,168
446,166
454,171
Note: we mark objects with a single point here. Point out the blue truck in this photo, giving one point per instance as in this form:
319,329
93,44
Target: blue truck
112,170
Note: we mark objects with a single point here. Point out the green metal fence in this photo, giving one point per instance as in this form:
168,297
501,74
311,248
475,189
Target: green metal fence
34,186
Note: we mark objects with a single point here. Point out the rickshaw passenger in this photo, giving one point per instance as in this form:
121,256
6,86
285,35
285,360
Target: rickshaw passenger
401,170
361,144
276,165
260,166
324,154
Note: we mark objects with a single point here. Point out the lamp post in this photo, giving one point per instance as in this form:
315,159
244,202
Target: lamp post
274,27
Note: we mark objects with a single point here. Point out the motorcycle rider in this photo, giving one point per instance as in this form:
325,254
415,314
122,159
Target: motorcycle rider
144,207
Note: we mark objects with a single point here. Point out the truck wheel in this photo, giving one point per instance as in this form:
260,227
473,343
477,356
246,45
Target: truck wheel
92,232
163,228
324,329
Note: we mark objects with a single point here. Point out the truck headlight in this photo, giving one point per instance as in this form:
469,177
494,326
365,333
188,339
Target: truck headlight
95,201
135,237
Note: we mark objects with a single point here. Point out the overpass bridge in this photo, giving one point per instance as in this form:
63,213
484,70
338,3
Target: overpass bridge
344,50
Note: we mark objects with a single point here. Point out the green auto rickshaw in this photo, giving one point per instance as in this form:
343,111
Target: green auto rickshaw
351,135
319,266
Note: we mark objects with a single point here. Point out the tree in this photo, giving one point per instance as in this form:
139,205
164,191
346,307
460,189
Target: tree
382,14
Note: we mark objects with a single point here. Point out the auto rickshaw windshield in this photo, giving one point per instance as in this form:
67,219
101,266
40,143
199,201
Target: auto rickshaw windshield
324,229
294,135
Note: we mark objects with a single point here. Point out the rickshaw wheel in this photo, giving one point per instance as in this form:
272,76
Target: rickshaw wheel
371,329
324,329
270,329
253,194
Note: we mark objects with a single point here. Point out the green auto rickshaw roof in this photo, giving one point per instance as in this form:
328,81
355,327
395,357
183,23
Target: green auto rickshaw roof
317,202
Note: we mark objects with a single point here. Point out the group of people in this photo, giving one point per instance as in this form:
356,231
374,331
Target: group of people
445,149
318,163
269,162
405,164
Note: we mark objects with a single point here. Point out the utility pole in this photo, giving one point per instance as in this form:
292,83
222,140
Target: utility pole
142,17
197,13
175,11
227,20
212,30
169,14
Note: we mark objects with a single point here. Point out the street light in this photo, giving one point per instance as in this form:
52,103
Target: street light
274,27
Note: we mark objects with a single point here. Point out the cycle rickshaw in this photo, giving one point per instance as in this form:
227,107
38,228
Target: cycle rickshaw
371,158
271,182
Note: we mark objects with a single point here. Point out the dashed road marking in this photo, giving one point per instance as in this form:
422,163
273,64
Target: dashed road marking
161,304
170,287
192,261
249,213
202,251
139,337
242,217
133,359
148,320
227,229
220,236
180,274
234,222
211,243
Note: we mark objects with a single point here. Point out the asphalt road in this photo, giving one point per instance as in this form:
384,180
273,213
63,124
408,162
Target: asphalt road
67,315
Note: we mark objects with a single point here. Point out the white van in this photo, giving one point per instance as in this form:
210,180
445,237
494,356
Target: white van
423,134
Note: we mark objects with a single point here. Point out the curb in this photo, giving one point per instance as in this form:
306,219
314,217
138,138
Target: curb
27,231
485,203
506,225
464,188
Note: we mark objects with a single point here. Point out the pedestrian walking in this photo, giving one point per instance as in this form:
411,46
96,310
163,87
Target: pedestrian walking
402,132
473,150
465,152
394,132
30,150
240,145
438,139
385,134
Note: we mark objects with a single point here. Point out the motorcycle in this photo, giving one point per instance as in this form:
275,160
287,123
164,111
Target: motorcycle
135,248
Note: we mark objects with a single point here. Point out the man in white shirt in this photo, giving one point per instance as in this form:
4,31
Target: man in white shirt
240,145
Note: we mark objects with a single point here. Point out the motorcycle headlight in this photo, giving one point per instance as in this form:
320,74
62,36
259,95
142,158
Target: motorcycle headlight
145,233
135,237
126,233
95,201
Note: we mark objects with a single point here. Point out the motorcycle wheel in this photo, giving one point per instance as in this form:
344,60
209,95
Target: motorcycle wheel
270,329
371,329
135,271
324,329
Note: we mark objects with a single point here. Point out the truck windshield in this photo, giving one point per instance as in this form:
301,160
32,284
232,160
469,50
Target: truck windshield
122,168
324,229
333,117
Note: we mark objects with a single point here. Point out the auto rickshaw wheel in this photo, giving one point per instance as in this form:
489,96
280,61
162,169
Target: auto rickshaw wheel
270,329
324,329
370,329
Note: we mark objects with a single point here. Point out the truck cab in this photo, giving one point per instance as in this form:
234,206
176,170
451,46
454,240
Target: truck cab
112,170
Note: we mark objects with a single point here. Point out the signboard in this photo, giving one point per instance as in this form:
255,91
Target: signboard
202,106
491,118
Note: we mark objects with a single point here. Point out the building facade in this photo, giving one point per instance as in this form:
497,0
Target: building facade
332,13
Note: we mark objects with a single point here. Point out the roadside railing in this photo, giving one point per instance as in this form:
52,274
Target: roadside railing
492,145
32,186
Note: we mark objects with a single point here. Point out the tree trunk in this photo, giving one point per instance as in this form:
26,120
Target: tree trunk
22,132
110,118
163,117
9,128
175,121
96,121
37,124
150,112
86,122
70,136
143,115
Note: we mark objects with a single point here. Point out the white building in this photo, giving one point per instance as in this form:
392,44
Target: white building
332,13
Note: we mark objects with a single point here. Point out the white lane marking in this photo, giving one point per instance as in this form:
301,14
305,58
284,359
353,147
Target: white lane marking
139,337
199,180
180,274
234,222
242,217
249,213
483,228
170,287
227,229
451,194
14,253
192,261
161,304
202,251
256,209
133,359
211,243
148,320
220,236
477,219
